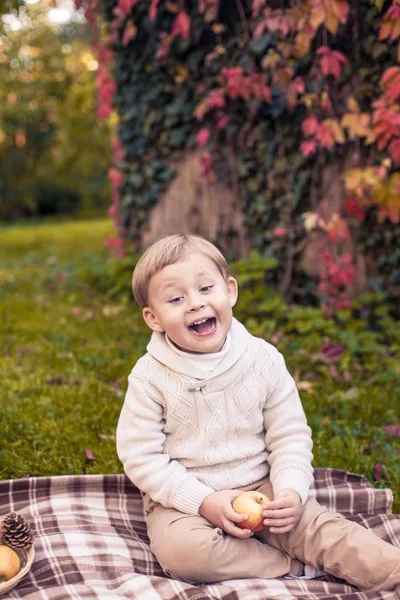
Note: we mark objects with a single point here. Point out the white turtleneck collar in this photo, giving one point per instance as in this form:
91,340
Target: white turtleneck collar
189,364
205,362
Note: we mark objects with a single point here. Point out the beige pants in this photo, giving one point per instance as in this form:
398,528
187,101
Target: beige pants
190,548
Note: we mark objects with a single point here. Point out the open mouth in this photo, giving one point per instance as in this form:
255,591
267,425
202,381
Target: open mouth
203,326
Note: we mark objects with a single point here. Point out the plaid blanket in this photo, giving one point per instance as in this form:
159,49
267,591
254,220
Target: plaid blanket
91,541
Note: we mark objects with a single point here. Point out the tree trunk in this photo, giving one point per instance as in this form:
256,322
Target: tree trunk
193,204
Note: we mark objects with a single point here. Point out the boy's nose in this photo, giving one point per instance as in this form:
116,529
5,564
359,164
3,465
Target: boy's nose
196,306
196,303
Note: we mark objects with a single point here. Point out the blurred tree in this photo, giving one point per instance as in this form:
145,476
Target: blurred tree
54,155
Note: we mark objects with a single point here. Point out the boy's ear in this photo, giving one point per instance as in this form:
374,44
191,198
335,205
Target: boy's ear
232,286
151,319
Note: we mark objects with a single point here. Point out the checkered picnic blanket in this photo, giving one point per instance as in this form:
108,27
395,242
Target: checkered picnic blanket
91,541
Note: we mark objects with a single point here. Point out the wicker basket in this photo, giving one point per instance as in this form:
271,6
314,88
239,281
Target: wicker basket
26,563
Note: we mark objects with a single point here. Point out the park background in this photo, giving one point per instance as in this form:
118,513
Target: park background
270,127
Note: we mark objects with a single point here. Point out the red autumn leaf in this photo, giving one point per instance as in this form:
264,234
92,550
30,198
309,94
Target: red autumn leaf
222,121
295,88
216,99
165,46
181,25
337,229
353,208
117,148
112,211
105,54
389,74
115,176
114,242
394,10
206,162
390,26
331,61
203,136
325,137
386,124
153,10
106,89
298,85
308,148
257,87
390,81
129,33
394,149
310,125
236,82
126,5
280,231
257,6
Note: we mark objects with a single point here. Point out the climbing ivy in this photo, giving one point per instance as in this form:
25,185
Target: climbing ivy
288,89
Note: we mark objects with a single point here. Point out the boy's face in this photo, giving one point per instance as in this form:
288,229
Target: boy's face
192,303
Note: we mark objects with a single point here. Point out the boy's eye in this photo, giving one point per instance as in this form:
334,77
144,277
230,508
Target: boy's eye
175,300
206,288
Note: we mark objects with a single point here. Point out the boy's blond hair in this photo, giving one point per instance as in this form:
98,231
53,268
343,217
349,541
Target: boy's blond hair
167,251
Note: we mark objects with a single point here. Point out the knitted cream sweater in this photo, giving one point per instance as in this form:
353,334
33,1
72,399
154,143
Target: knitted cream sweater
180,437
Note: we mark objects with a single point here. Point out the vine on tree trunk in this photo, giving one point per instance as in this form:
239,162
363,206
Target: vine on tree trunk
281,84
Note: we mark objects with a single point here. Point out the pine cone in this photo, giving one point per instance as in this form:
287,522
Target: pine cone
16,532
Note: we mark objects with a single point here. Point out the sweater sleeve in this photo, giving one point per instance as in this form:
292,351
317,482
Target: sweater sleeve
141,447
288,437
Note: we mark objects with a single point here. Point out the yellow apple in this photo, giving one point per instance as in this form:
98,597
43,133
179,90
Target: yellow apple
10,564
251,504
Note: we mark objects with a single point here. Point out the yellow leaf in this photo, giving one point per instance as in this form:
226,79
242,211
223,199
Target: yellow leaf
271,60
181,74
358,125
200,110
218,28
387,198
371,177
317,15
302,43
334,126
353,105
331,22
309,100
172,7
353,181
377,3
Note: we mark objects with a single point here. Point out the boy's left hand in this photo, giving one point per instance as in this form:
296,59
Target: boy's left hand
282,514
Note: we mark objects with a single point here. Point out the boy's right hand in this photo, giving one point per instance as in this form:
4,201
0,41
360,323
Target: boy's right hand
217,508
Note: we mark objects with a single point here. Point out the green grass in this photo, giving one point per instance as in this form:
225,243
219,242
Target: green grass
70,335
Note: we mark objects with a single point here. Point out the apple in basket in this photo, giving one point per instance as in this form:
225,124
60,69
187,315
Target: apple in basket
251,504
10,564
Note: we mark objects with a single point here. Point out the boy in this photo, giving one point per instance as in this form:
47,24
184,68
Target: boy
212,411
